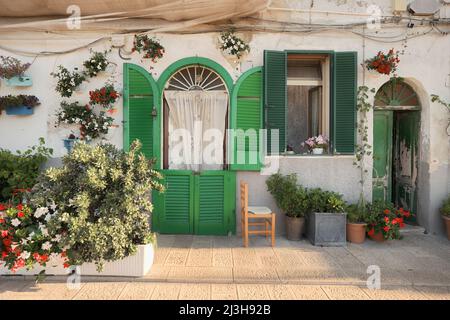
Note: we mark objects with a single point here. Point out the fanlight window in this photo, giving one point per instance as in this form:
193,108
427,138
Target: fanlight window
195,78
396,93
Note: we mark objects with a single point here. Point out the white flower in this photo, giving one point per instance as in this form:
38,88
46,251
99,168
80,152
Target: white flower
24,241
48,217
44,231
40,211
46,246
25,255
15,222
68,90
99,67
31,235
57,238
53,206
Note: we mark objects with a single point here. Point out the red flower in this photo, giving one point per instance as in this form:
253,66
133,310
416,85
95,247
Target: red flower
44,258
20,214
66,265
395,221
386,219
4,234
4,254
2,221
386,228
407,214
63,254
19,207
371,232
36,256
7,242
2,207
387,211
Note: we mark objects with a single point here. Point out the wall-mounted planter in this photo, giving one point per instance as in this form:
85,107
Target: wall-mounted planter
327,229
19,110
68,144
24,81
137,265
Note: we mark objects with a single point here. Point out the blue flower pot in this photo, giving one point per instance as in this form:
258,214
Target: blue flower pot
68,144
24,81
19,110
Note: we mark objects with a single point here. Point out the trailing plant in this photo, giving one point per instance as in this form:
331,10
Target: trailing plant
17,101
105,96
25,238
96,63
445,208
386,219
232,44
91,125
151,47
11,67
102,196
290,197
67,81
384,63
18,172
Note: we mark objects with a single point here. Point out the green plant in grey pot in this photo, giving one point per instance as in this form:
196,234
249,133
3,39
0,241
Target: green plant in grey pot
291,198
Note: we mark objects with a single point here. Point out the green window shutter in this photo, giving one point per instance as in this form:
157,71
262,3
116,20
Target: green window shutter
139,101
345,83
247,120
275,97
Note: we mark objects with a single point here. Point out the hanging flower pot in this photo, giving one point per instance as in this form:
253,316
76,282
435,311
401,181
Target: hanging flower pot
384,63
96,64
18,105
69,142
19,110
12,70
317,151
151,47
19,81
233,48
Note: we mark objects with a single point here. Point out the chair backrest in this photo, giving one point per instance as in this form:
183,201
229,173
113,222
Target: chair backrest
244,198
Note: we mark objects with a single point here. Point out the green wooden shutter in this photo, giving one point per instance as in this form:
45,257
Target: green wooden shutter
275,97
345,83
215,194
173,211
247,99
139,102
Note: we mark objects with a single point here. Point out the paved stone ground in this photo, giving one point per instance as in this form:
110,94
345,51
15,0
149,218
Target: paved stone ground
196,267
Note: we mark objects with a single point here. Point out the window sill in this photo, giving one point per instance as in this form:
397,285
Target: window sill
310,156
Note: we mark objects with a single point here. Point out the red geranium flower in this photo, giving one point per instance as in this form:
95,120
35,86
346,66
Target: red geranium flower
371,232
4,234
2,207
4,254
19,207
386,219
66,265
387,211
387,228
20,214
407,214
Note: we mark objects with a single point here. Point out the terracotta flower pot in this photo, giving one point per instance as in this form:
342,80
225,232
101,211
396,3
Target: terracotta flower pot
295,228
378,237
356,232
447,225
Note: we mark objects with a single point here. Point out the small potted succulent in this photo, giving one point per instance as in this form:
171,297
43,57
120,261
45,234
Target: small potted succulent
13,70
445,211
316,145
68,81
356,223
384,221
69,142
291,198
21,105
151,47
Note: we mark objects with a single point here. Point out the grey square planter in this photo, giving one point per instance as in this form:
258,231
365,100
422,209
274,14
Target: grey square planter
326,229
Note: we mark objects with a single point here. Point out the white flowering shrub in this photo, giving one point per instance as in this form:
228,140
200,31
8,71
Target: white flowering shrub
67,81
103,202
233,45
96,63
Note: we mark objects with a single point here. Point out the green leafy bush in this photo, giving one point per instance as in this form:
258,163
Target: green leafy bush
102,198
355,214
445,209
325,201
20,171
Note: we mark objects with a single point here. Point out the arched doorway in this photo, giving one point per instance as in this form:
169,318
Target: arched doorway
396,144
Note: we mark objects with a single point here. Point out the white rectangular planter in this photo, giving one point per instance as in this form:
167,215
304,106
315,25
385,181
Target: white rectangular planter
137,265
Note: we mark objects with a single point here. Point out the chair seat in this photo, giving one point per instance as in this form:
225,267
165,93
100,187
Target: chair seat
259,210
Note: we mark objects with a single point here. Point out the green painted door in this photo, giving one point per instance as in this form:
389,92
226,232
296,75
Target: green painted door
406,159
196,203
382,156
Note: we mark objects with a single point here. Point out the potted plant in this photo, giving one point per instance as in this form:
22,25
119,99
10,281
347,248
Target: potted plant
317,145
13,71
384,221
232,46
292,200
105,96
151,47
356,224
95,64
445,212
68,82
69,142
18,105
326,220
384,63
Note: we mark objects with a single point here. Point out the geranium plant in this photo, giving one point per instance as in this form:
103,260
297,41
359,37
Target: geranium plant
96,63
151,47
384,63
17,101
103,199
105,96
67,81
25,237
232,44
319,141
386,219
91,125
11,67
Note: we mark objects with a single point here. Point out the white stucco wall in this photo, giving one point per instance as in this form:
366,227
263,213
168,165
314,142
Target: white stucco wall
425,64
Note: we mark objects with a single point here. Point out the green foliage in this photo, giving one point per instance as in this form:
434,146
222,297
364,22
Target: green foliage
17,101
67,81
96,63
20,171
445,209
325,201
436,98
11,67
102,196
385,218
355,214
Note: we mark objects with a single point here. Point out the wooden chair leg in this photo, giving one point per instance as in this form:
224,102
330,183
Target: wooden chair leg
267,228
246,233
273,229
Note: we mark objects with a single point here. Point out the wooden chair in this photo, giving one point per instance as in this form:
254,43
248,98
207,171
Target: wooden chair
248,214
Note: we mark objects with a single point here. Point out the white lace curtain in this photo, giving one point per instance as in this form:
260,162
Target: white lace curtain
196,129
